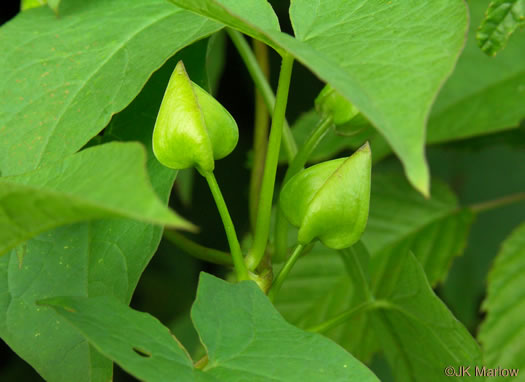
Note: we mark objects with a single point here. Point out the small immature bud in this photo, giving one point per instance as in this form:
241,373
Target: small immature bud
192,128
330,201
330,102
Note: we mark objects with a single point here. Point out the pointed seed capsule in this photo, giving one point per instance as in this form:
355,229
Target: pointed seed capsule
330,102
330,201
192,128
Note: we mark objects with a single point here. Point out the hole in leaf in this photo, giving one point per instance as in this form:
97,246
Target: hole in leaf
142,353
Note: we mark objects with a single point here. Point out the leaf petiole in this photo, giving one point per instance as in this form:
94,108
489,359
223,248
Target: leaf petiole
198,251
235,248
278,282
260,136
262,226
496,203
263,86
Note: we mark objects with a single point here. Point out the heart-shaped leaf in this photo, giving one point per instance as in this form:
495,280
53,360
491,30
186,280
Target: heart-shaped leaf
64,77
388,58
246,339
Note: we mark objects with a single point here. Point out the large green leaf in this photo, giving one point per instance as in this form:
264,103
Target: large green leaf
245,337
404,318
435,229
502,333
318,287
417,332
63,78
484,94
397,52
104,257
388,58
99,182
502,19
254,18
75,259
135,340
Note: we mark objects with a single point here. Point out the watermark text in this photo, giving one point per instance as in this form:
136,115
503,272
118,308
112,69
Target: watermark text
479,371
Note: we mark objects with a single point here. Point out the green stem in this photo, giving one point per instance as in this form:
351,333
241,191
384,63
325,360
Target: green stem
235,248
260,137
313,140
262,225
263,86
198,251
342,317
278,282
493,204
297,164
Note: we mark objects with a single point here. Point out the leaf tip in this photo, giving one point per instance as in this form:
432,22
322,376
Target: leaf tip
420,179
179,223
365,147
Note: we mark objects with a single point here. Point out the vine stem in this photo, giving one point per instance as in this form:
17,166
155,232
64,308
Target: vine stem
296,165
278,282
262,225
260,136
496,203
235,248
313,140
263,86
198,251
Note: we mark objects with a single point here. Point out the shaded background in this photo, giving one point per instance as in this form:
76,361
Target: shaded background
477,169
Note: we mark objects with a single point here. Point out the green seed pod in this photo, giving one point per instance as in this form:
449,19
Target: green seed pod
330,201
330,102
192,128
